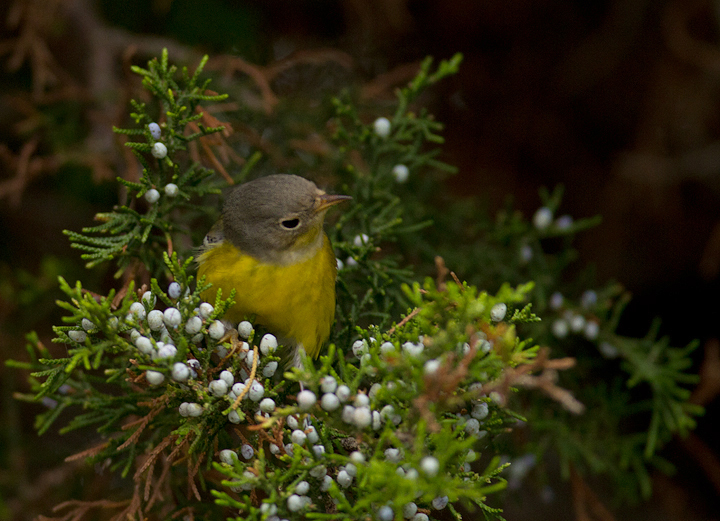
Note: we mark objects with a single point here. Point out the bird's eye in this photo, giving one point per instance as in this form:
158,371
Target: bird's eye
290,223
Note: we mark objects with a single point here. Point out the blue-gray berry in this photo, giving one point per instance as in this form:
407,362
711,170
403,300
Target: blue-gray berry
174,290
154,129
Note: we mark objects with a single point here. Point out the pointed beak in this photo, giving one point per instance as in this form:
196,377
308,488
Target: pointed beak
325,201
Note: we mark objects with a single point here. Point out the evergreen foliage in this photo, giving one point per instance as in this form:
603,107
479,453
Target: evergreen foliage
410,408
126,234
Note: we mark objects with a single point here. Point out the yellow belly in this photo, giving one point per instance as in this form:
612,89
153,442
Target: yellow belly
296,301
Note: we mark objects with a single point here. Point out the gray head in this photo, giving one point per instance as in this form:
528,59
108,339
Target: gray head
277,218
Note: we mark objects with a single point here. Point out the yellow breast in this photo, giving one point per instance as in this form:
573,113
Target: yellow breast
296,301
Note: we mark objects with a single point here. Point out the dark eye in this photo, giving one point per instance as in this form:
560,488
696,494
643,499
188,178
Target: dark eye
290,223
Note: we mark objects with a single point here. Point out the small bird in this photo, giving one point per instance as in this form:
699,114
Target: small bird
269,245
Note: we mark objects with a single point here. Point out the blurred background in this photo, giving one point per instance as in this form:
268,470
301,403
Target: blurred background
617,100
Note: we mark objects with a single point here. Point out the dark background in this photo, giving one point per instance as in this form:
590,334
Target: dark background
616,100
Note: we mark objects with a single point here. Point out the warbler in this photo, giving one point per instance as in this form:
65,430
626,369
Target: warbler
269,245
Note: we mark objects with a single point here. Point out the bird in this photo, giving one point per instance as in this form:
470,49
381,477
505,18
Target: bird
270,247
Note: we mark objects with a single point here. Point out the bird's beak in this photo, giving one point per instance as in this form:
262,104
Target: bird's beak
325,201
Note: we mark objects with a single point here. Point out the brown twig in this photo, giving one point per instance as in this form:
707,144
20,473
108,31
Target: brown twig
148,477
157,405
250,380
709,386
262,431
404,321
179,448
704,456
92,451
241,435
162,480
545,381
384,83
136,272
157,450
80,508
235,346
231,64
188,514
442,385
133,510
308,56
456,279
25,166
587,505
217,140
192,472
442,273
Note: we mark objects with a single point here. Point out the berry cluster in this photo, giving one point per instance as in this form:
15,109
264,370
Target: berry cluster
159,151
578,320
368,404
